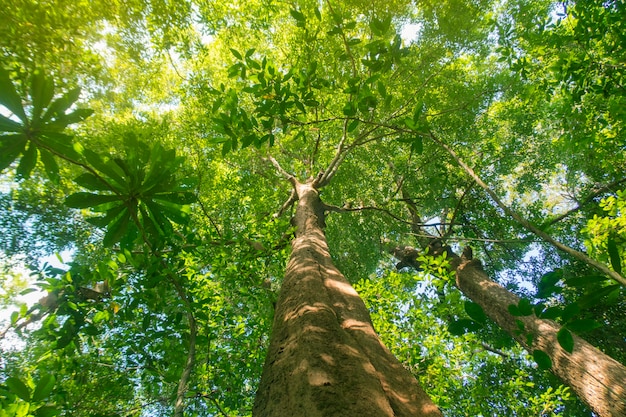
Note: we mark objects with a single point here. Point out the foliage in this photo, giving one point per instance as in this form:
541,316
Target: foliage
607,235
166,196
39,135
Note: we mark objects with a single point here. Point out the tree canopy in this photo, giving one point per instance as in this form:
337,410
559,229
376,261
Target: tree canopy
149,140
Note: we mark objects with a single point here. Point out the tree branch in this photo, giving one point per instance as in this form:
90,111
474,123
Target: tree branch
494,350
457,209
595,193
292,199
330,171
525,223
280,169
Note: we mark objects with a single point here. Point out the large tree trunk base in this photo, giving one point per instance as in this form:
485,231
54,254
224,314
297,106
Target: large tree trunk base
325,359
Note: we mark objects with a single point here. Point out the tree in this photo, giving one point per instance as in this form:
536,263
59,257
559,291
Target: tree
592,375
177,259
321,322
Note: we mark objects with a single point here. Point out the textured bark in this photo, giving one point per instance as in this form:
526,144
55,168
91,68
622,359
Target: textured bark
596,378
325,358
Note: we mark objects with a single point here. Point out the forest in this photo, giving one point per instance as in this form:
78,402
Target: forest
272,208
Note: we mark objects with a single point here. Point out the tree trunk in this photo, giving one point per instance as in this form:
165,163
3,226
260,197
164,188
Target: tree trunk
325,358
596,378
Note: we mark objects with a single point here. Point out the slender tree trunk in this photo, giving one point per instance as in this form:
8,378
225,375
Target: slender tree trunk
325,358
596,378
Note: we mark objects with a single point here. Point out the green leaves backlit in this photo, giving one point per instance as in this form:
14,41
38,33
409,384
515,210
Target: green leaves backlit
136,194
35,130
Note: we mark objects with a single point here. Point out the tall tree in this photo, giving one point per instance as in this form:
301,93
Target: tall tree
324,356
593,375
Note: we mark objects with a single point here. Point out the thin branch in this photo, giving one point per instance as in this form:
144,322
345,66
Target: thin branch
457,209
133,410
330,171
174,66
208,216
343,150
476,239
336,209
280,169
494,350
214,401
596,192
179,407
345,43
317,144
525,223
77,163
288,203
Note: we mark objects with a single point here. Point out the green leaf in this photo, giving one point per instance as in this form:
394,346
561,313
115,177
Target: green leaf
570,311
616,262
14,317
84,200
583,325
514,310
111,214
176,198
18,388
475,312
44,387
60,105
595,297
525,307
547,283
462,326
417,145
160,222
551,313
28,162
353,125
106,166
236,54
565,340
8,125
10,148
76,116
300,18
41,93
379,27
59,143
9,97
47,411
50,165
417,114
349,109
585,281
542,359
174,212
117,229
91,182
